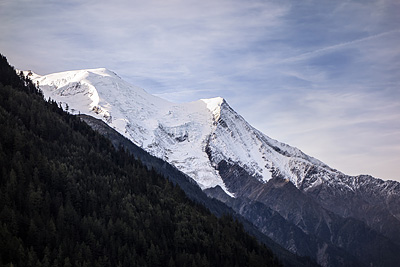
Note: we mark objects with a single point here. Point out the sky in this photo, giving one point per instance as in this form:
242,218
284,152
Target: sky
320,75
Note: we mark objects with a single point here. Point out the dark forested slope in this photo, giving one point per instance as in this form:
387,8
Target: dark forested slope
68,198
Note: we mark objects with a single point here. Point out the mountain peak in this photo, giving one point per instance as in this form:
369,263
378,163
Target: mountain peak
194,137
102,72
74,75
214,105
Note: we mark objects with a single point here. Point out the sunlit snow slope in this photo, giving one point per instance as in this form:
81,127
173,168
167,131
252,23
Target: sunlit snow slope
194,136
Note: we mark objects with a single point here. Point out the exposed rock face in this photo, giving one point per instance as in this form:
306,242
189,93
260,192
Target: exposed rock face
295,219
371,200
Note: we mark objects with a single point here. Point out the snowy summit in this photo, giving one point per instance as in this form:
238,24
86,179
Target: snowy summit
195,137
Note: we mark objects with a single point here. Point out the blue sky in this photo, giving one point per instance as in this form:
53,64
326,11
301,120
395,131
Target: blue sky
323,76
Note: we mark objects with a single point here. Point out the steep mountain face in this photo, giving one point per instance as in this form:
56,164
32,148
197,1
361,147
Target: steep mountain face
343,219
193,191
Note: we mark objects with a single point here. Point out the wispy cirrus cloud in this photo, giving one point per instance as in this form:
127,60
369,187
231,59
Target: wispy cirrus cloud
330,48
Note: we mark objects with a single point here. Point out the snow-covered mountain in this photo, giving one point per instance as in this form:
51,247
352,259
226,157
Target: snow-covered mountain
236,163
194,136
177,133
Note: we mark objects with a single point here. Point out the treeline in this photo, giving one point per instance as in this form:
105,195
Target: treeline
68,198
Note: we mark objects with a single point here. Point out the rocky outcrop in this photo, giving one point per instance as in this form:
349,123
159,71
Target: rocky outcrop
298,221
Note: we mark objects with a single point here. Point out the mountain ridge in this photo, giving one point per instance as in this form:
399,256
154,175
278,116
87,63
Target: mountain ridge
91,97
